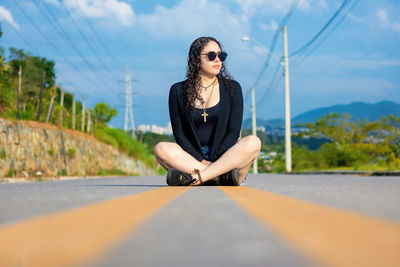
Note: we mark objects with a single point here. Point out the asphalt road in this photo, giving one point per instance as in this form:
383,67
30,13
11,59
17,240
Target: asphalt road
274,220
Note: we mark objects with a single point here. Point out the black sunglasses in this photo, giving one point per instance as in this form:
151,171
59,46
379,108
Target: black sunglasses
212,55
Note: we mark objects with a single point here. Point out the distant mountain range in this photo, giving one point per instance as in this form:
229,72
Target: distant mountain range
357,110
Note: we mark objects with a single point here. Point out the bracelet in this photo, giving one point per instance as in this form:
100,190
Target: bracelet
197,171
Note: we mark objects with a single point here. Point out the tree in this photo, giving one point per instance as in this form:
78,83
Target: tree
2,62
3,67
103,113
358,142
32,71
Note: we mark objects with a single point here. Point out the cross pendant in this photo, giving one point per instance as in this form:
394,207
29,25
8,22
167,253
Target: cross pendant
204,116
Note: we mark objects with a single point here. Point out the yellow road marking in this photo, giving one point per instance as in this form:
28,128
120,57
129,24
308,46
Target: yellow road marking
328,236
79,236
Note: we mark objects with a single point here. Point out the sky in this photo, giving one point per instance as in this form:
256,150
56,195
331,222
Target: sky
93,42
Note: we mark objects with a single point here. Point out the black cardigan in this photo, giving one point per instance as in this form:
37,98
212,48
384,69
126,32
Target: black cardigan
228,124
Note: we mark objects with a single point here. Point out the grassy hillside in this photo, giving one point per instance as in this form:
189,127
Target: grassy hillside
39,89
124,142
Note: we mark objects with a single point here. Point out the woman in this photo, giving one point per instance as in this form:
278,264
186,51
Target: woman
206,115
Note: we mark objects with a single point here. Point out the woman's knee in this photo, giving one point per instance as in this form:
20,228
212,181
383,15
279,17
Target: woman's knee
161,150
165,151
253,144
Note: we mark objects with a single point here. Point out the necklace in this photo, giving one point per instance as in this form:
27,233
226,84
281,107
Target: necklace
206,87
204,107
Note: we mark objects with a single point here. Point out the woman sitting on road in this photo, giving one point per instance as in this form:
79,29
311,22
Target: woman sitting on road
206,115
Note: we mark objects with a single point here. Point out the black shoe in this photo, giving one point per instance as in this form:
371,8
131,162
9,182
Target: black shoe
230,178
178,178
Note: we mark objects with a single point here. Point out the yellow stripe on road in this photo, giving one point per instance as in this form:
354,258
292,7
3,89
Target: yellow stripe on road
328,236
81,235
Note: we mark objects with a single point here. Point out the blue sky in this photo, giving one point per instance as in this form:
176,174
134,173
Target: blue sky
358,61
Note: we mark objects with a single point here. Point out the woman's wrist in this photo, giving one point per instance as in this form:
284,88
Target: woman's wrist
206,162
197,171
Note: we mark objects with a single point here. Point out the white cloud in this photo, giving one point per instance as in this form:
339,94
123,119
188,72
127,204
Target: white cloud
347,86
260,50
251,7
109,9
396,26
53,2
385,22
193,18
273,25
339,71
323,4
5,15
341,64
383,18
355,18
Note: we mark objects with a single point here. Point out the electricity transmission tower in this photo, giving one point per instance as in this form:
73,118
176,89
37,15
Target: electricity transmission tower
128,102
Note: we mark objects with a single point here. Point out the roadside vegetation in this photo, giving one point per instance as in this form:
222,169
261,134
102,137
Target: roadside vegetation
41,99
336,142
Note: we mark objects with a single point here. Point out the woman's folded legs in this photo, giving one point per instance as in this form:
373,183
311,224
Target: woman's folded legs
240,156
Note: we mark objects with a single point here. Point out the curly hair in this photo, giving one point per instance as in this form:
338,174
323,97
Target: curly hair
192,84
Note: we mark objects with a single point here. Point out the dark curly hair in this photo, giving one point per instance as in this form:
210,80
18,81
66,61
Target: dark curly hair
192,84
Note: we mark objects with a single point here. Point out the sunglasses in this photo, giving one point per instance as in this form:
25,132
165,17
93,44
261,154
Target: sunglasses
212,55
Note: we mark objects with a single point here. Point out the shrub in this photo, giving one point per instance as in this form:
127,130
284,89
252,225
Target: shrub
71,153
336,155
123,141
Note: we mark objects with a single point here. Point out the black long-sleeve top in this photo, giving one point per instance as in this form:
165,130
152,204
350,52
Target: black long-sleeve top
228,125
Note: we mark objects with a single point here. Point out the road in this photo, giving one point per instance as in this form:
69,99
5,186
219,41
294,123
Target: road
274,220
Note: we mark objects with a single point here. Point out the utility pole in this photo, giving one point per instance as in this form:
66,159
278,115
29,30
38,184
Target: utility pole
88,122
288,134
62,107
128,102
51,104
41,96
19,92
73,111
83,116
253,112
253,102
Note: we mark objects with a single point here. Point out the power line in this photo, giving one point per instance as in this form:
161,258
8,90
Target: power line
24,40
45,37
284,21
298,62
271,84
116,62
56,25
309,43
66,37
88,43
36,52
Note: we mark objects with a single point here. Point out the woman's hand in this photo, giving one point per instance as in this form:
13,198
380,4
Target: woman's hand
206,162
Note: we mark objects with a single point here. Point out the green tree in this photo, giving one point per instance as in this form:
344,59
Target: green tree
338,128
3,68
32,69
103,114
355,143
2,61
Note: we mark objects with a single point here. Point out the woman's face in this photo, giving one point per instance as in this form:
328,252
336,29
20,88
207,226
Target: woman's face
210,67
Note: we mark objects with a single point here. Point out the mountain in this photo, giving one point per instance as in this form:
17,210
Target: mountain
358,110
268,124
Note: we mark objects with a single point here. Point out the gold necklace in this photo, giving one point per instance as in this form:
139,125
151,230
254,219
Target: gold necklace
206,87
204,114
